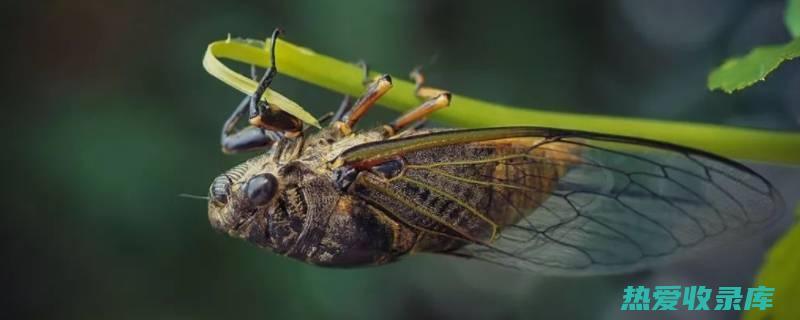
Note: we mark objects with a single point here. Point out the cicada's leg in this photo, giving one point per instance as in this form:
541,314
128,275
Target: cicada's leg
347,101
435,99
375,90
417,116
422,92
344,106
265,116
253,74
247,139
410,129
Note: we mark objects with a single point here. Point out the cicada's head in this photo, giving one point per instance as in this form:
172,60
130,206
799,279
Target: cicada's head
242,199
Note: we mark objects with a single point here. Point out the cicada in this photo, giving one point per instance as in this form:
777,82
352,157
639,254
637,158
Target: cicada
549,200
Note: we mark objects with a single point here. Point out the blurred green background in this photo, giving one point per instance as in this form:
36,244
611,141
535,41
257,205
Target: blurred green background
109,115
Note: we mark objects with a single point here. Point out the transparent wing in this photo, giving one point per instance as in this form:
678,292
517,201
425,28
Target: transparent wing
573,203
626,205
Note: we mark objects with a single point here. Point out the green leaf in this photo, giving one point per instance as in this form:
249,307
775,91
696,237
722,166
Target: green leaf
739,73
246,85
782,272
792,17
333,74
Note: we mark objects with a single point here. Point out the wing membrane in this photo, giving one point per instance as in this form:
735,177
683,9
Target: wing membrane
567,202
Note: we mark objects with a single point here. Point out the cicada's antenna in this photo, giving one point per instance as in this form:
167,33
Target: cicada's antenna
193,196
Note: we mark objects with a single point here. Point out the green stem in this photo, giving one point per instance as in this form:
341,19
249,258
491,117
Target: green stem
327,72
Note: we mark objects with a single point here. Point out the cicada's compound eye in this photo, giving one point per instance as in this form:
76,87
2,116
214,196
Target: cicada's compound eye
260,189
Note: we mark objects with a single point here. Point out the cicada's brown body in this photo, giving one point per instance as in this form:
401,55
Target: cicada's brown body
402,205
555,201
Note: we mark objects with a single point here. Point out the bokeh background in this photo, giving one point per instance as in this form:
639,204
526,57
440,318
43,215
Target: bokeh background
108,116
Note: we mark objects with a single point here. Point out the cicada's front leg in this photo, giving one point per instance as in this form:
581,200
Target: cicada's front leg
267,123
436,99
248,138
264,115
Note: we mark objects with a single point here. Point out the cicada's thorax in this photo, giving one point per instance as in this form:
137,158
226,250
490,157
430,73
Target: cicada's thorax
317,222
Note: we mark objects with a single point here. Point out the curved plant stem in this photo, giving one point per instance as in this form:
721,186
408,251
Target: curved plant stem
333,74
